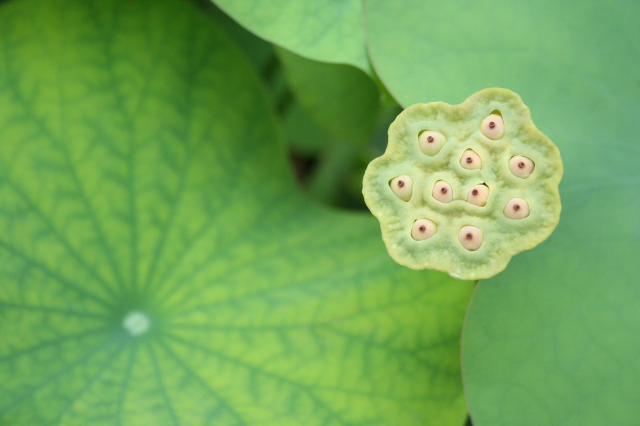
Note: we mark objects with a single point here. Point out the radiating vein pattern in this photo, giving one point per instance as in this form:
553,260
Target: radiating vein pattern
157,264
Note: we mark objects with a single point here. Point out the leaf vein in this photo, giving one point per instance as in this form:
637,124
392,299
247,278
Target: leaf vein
109,361
161,386
255,369
44,129
60,373
181,362
60,279
125,383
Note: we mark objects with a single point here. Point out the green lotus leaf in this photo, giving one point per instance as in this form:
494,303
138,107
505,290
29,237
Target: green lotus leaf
340,98
158,265
304,136
325,30
257,51
553,339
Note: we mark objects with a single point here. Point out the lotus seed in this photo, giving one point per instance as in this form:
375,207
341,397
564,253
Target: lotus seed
493,127
478,195
470,160
442,191
516,208
497,206
431,142
402,186
470,237
521,166
423,229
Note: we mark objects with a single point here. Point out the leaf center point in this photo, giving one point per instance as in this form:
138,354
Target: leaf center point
136,323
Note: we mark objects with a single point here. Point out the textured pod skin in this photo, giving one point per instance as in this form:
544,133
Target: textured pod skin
503,237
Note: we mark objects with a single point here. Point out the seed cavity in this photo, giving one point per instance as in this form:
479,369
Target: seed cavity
516,208
470,237
478,195
493,126
470,160
442,191
402,186
423,229
521,166
431,142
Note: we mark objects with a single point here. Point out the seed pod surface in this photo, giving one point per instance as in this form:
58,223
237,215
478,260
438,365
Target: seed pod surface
440,153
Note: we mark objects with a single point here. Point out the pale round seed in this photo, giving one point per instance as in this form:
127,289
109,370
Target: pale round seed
402,186
470,237
478,195
442,191
521,166
431,142
516,208
423,229
493,127
470,160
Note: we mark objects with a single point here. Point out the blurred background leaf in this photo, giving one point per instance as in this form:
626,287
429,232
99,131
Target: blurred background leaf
340,98
345,103
324,30
553,339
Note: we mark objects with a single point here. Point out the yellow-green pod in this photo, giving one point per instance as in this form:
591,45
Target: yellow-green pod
487,141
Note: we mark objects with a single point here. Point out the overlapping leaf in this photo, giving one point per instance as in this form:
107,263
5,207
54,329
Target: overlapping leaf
553,340
340,98
157,265
324,30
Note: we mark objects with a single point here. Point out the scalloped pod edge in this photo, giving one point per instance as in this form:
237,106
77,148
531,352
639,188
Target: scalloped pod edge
463,188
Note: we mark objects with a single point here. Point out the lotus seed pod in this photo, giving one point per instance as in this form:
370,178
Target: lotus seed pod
470,160
442,191
402,186
423,229
478,195
470,237
516,208
521,166
493,207
493,126
431,142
